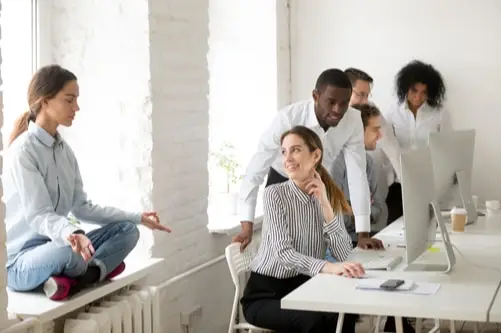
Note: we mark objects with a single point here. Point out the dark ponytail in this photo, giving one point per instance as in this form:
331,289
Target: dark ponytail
20,126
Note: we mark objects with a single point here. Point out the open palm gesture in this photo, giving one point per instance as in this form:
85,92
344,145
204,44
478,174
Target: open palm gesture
151,221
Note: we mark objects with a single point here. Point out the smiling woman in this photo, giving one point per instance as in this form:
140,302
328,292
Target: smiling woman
302,150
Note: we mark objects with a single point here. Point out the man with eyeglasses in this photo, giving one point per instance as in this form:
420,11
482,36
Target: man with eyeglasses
387,158
361,83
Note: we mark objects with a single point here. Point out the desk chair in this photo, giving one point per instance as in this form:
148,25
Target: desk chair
239,263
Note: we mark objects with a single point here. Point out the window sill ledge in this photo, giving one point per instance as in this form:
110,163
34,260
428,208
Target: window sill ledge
25,305
229,227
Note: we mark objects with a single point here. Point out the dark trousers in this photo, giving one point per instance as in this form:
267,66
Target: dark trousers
275,178
394,202
390,325
261,307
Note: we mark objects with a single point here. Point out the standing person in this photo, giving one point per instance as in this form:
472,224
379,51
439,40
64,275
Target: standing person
42,186
361,83
340,128
386,155
418,112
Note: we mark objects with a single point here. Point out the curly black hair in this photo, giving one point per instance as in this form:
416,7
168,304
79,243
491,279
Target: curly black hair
418,72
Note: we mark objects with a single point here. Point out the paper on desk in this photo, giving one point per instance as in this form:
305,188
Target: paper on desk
392,233
409,287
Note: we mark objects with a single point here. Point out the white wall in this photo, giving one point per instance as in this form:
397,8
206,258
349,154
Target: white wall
459,37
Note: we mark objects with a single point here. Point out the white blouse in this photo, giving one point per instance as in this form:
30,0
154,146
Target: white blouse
403,131
412,132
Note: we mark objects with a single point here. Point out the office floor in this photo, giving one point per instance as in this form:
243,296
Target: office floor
461,327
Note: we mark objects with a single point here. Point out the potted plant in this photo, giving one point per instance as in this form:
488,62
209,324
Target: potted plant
226,160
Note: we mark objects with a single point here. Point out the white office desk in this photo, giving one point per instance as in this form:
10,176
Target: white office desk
475,272
338,294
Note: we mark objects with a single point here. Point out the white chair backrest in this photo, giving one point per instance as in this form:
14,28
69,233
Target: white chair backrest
239,262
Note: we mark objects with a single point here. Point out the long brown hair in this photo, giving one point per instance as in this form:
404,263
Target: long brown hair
45,84
334,193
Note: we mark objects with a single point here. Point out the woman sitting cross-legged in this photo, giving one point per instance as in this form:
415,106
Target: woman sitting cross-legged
301,215
42,186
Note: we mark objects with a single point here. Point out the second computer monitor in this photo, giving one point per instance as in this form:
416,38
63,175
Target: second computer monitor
421,212
452,159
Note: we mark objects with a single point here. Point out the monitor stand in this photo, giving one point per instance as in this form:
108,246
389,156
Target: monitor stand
449,251
466,196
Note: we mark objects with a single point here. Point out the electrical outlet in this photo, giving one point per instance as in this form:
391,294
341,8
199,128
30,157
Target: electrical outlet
190,317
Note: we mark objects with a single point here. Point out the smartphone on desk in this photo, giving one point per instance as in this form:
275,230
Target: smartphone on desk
391,284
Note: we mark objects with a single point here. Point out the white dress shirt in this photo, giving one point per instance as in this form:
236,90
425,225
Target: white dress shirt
410,132
347,136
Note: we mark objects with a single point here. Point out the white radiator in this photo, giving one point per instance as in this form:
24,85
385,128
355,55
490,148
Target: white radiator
129,311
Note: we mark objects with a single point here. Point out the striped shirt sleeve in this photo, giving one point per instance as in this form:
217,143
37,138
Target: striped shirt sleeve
338,239
280,237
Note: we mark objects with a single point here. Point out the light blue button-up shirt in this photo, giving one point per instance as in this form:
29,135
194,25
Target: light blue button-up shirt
42,186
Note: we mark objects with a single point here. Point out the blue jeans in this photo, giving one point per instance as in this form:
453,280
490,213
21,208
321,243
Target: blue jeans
329,257
113,242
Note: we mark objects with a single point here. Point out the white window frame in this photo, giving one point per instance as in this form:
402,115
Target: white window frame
35,57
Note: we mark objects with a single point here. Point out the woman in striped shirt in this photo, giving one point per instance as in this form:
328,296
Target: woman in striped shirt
301,215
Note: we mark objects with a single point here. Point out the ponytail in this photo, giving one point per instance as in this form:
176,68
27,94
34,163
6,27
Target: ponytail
20,126
334,193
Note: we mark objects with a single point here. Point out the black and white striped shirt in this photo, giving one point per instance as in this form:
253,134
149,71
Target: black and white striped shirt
295,234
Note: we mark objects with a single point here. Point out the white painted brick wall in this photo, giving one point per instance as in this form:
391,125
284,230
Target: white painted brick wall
142,133
179,31
3,258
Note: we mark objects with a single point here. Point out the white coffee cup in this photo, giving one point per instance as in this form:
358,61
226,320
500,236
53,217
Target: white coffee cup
458,219
475,201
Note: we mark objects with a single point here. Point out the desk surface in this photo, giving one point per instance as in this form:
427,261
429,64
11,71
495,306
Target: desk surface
478,270
337,294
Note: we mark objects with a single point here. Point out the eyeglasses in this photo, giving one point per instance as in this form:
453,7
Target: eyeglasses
362,94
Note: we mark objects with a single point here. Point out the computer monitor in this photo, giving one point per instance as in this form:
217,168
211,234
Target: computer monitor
421,211
452,160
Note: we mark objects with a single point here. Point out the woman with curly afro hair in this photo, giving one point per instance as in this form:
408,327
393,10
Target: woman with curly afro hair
421,93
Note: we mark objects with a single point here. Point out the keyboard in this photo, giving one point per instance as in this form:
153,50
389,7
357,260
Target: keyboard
376,261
